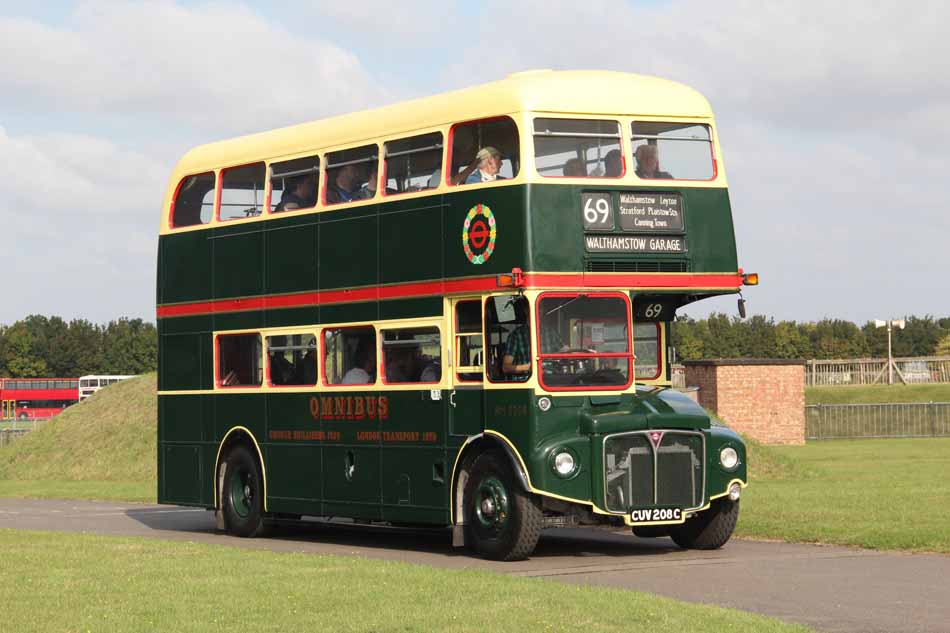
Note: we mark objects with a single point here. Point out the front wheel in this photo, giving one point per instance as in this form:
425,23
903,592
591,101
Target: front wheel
243,499
710,529
502,520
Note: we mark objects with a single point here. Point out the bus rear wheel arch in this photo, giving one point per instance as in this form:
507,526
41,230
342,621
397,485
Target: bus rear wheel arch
502,520
242,492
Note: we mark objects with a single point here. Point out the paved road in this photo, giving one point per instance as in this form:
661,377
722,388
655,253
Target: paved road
829,588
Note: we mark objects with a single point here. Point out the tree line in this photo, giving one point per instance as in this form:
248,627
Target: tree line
721,336
40,346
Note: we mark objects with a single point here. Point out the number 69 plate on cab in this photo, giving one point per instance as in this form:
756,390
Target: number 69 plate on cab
640,516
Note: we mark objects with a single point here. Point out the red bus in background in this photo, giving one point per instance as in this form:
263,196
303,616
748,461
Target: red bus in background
36,398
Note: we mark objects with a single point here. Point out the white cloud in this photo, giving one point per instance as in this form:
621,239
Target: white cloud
217,67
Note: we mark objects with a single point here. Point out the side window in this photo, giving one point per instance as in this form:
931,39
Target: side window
468,341
194,200
575,148
484,151
292,360
242,192
352,174
646,350
412,355
239,360
413,164
349,356
509,338
294,183
672,150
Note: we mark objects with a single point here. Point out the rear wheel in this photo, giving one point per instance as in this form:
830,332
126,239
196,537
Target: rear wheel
243,499
710,529
502,520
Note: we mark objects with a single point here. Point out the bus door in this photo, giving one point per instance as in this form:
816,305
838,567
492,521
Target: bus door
466,397
9,409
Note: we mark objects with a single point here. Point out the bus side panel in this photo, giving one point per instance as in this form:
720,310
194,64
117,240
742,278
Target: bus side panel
414,469
238,261
349,254
507,205
412,245
351,452
180,435
293,454
291,256
184,271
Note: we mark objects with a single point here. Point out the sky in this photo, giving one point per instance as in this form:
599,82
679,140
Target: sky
833,120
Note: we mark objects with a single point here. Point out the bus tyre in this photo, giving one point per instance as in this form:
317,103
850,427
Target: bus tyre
24,416
243,498
503,522
710,529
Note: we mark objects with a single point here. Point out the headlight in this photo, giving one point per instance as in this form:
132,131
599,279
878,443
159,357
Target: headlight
729,458
564,464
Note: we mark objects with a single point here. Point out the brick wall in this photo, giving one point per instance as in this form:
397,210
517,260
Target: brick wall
763,399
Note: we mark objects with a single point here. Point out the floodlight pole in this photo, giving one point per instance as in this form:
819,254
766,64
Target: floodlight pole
890,358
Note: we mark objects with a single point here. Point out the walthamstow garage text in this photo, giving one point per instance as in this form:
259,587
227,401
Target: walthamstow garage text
644,213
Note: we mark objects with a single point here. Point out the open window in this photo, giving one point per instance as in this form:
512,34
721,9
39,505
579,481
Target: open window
239,360
578,148
292,360
470,350
294,184
508,328
584,340
666,150
352,174
194,200
242,192
484,151
412,355
349,356
413,164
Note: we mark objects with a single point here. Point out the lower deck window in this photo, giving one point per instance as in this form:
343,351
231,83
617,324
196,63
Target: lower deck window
412,355
349,356
646,346
292,360
239,360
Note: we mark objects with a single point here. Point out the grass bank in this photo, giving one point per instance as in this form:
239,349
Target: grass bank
878,494
103,448
122,584
874,394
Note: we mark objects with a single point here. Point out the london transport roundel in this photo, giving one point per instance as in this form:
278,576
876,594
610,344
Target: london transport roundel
478,234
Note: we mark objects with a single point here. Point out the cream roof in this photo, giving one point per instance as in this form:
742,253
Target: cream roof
568,92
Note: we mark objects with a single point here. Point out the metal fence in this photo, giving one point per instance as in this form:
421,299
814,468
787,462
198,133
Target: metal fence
852,421
871,371
10,435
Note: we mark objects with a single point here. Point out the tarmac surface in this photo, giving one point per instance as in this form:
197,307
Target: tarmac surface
828,588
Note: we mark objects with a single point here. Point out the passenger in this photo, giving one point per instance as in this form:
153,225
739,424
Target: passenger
648,163
402,364
364,367
483,168
574,168
281,371
613,164
300,192
432,371
368,190
345,185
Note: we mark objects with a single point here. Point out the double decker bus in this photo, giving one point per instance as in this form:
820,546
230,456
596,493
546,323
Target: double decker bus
36,398
453,311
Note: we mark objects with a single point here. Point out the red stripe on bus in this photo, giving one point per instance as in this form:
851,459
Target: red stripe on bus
450,286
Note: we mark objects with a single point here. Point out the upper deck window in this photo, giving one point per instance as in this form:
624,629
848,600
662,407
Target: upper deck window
293,184
577,148
584,341
484,151
194,200
242,192
352,174
413,164
681,151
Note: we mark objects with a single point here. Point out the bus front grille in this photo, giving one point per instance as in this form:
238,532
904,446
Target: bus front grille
616,266
654,468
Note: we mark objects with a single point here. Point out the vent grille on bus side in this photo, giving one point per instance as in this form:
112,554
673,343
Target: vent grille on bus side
612,266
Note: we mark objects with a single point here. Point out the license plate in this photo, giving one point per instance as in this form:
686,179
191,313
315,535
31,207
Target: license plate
654,515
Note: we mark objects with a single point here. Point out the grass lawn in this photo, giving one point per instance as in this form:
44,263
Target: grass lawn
94,583
874,394
879,494
142,491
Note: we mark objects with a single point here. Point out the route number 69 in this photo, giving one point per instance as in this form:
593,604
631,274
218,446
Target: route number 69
596,211
653,310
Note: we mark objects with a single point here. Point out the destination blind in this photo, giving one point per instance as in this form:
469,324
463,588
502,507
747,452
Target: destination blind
634,244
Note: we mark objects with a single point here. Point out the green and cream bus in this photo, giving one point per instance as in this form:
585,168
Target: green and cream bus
452,311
